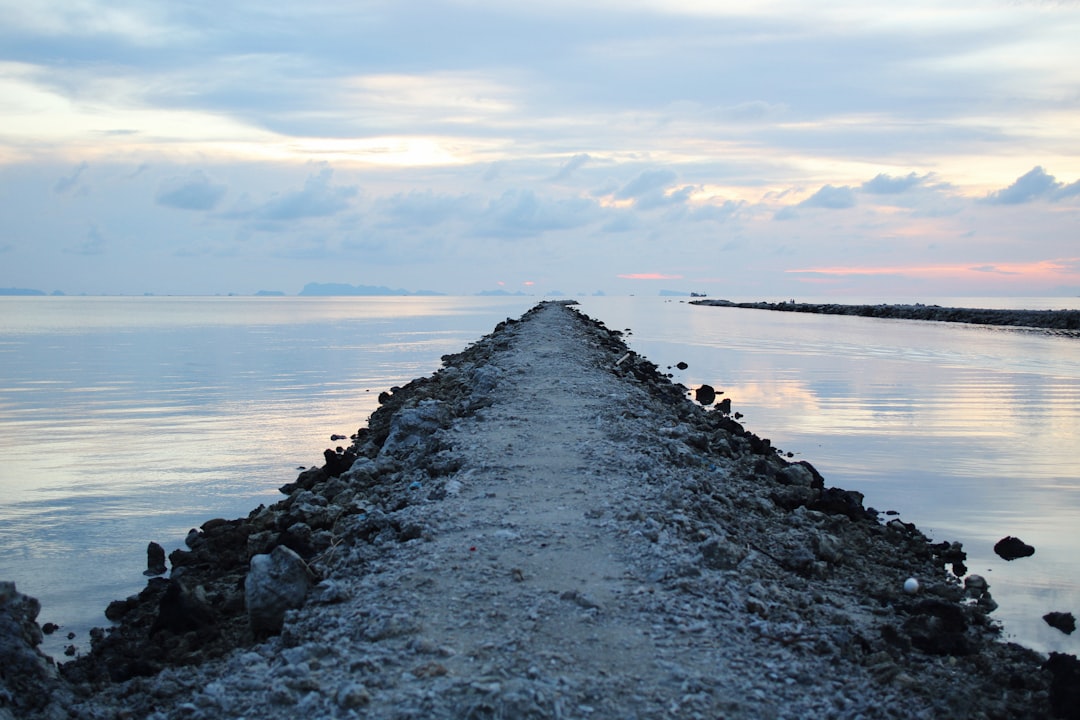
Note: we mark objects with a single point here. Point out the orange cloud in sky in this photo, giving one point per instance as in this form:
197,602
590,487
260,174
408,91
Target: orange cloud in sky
1051,270
650,276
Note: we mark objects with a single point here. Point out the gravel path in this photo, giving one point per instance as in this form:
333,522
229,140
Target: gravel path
548,528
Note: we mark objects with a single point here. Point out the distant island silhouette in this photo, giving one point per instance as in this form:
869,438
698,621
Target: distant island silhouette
337,289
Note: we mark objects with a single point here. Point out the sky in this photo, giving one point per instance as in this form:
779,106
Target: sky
767,149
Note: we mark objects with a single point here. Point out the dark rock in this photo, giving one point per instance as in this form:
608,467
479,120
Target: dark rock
794,496
119,608
305,480
706,395
1011,548
682,365
1063,621
939,628
759,445
952,553
182,610
338,461
801,475
819,481
155,560
836,501
26,677
1065,685
49,628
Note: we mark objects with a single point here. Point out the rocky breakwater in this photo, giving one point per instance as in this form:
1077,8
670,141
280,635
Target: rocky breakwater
1063,320
549,527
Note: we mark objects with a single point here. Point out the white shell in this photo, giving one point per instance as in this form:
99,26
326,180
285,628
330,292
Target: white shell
911,586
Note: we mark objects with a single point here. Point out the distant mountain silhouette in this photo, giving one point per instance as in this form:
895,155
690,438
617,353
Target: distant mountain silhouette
337,289
501,293
21,291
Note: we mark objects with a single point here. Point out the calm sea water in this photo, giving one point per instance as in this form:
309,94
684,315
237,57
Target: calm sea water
125,420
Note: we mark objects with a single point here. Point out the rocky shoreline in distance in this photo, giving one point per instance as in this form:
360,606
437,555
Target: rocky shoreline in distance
1046,319
548,527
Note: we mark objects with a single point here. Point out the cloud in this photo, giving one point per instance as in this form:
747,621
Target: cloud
1057,268
523,213
66,184
318,198
1034,185
719,212
571,166
831,197
1068,191
652,189
425,208
648,182
194,192
884,184
650,276
754,111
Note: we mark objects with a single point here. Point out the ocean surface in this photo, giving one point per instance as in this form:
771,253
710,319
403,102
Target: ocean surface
126,420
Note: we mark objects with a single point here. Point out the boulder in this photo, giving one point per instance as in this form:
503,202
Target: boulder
155,560
411,429
276,583
181,610
721,554
1011,548
27,678
1065,685
705,394
1063,621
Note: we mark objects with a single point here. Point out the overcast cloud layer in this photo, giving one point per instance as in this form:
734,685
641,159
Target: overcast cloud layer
769,149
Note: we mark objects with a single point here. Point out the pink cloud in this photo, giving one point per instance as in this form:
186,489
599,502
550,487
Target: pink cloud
650,276
1055,270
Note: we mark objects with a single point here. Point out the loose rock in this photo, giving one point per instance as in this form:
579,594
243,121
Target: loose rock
276,583
155,560
1063,621
1011,548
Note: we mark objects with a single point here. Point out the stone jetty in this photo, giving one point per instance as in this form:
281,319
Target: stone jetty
1064,320
548,527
